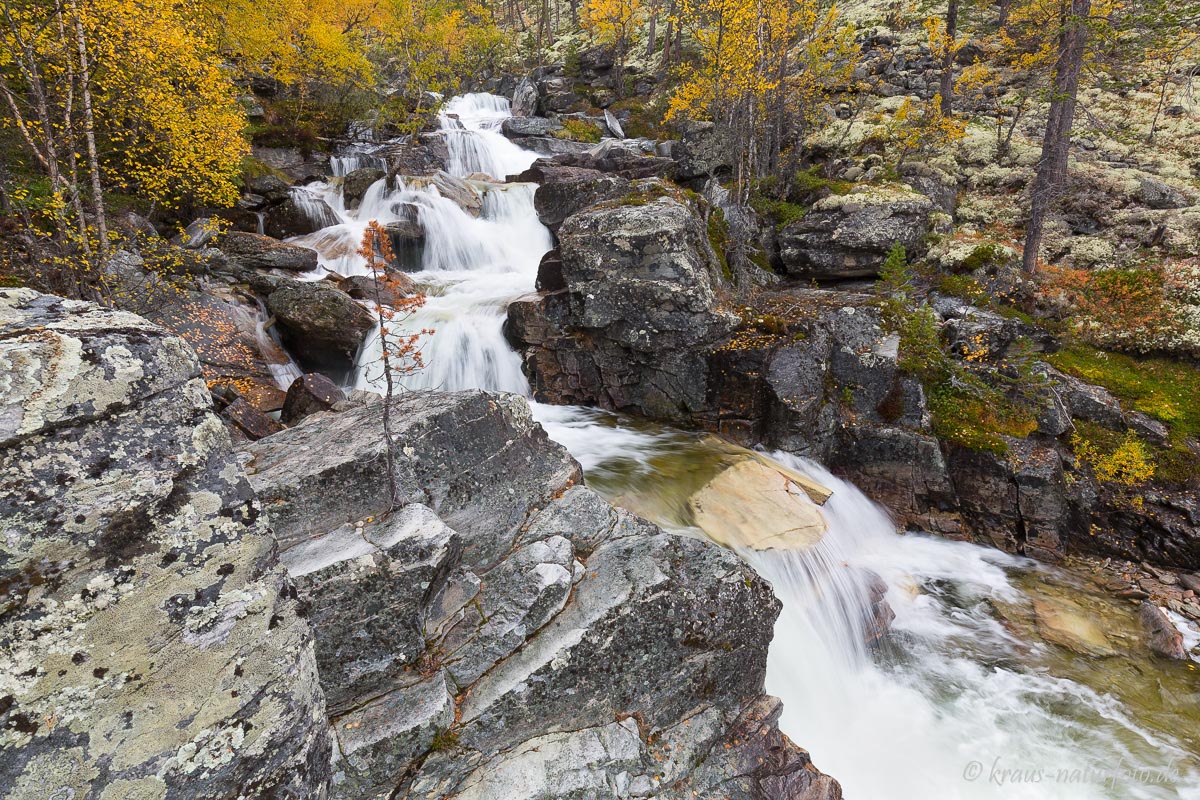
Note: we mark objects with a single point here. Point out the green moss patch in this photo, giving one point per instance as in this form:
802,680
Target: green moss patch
578,130
1160,388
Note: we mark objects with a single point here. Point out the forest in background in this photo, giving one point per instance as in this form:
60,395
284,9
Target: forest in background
150,106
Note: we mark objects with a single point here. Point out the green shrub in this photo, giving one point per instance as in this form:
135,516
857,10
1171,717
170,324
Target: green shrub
779,213
1160,388
982,256
579,130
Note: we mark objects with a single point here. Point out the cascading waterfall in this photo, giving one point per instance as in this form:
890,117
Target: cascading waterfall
956,694
955,704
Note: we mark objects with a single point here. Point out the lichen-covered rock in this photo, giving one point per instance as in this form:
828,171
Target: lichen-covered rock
849,236
527,640
153,645
638,314
323,473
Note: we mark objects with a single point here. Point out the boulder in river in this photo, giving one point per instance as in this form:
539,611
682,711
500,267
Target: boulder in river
1062,622
321,325
631,330
755,504
1164,638
356,184
302,212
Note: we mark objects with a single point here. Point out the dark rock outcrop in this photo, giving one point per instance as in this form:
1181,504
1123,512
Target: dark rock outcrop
639,311
356,184
849,236
249,420
563,191
310,394
301,213
153,645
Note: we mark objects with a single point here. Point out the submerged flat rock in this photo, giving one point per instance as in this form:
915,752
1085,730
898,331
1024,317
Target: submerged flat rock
759,505
1068,625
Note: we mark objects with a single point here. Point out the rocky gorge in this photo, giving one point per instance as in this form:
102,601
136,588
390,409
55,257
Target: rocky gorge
474,641
268,609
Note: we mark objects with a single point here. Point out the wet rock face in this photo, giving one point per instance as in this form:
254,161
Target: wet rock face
849,236
638,313
153,643
299,214
508,633
356,184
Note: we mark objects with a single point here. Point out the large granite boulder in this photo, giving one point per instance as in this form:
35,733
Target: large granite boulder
503,631
849,236
639,312
320,324
153,646
254,251
564,191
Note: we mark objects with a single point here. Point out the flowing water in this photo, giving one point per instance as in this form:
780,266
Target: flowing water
965,699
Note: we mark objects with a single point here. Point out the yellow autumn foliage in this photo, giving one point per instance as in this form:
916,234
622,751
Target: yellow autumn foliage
1129,464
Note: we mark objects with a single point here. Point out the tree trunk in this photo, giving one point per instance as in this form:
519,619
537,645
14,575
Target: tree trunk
1052,166
89,130
776,147
1002,19
652,33
668,38
947,83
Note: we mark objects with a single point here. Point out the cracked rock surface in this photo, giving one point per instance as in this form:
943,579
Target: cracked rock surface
151,642
508,633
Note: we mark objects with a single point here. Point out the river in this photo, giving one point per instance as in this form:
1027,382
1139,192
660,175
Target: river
964,699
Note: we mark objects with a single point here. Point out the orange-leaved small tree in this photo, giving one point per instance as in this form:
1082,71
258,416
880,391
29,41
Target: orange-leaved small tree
395,300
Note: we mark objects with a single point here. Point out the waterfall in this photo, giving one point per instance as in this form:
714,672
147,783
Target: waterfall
954,690
959,686
471,124
342,165
310,205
